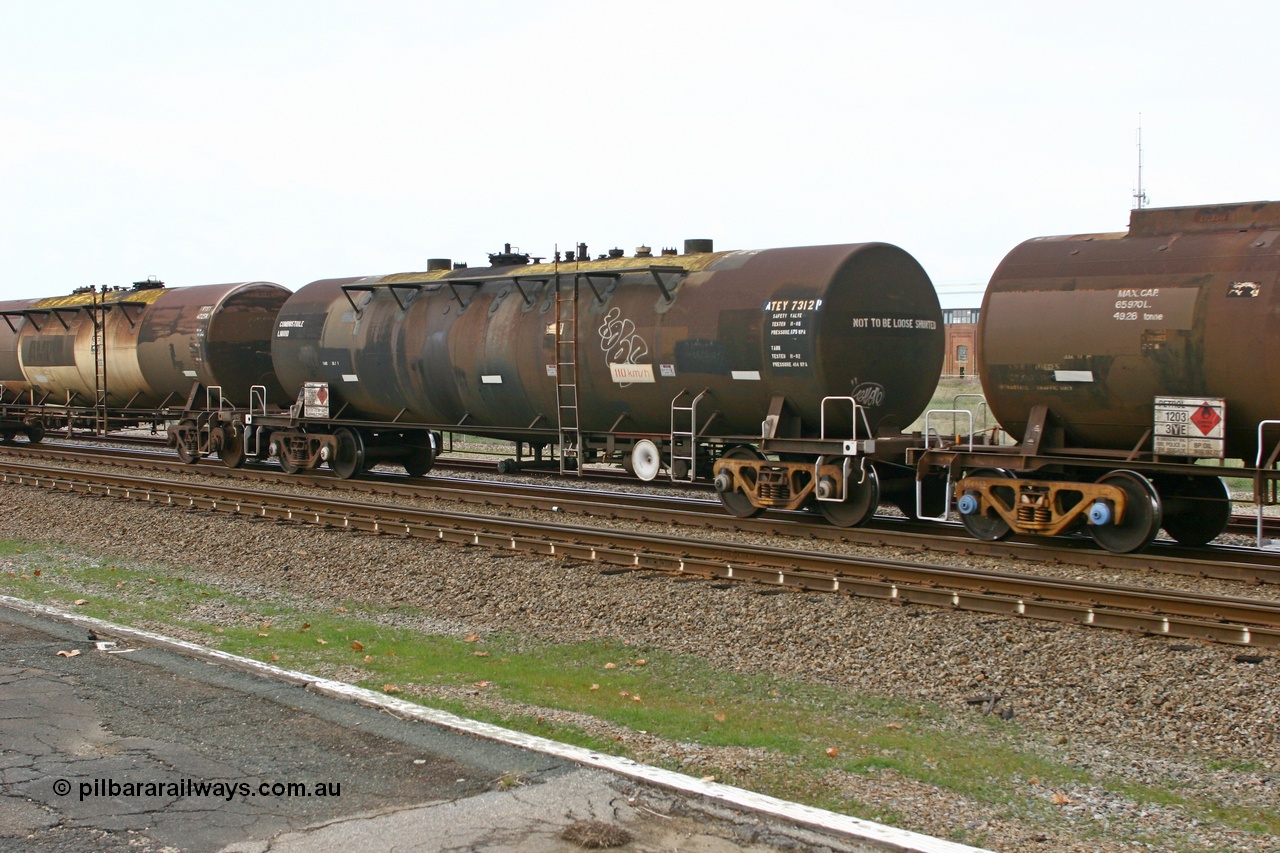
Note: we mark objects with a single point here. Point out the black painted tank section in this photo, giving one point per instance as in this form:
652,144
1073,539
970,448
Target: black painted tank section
803,323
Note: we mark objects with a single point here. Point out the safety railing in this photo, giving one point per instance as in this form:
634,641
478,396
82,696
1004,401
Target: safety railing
1265,490
930,433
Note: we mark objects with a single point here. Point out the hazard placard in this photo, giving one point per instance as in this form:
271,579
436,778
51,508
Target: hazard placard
1190,426
315,399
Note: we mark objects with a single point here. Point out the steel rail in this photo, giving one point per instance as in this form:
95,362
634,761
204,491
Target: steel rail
1248,565
1217,618
459,460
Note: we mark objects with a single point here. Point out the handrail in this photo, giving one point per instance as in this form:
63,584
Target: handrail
258,395
982,404
209,393
929,431
855,412
692,409
1257,498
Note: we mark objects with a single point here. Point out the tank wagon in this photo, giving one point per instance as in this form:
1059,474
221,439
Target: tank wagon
784,374
1131,366
121,356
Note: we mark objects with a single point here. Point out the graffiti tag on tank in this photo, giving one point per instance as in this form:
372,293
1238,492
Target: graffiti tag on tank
623,349
869,395
789,325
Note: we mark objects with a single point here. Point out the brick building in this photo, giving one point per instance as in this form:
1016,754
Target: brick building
962,341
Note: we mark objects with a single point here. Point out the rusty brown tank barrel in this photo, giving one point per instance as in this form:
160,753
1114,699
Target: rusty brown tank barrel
478,346
158,341
1096,326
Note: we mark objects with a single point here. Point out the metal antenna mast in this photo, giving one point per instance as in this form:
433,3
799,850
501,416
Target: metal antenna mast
1140,194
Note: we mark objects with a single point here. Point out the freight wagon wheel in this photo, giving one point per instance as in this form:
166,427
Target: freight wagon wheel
231,450
1142,515
287,465
859,507
646,460
738,503
35,432
1196,509
185,453
990,526
348,459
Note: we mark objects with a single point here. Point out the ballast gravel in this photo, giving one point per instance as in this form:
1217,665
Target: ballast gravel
1198,717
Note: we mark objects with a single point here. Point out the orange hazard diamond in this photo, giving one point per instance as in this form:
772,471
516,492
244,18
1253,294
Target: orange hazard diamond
1206,418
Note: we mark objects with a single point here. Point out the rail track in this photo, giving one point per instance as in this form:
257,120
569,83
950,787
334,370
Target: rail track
1242,524
700,510
1225,619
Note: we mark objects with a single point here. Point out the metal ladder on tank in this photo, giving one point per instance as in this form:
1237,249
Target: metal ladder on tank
567,377
690,414
98,316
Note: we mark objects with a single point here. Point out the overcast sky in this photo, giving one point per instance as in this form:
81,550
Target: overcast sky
290,141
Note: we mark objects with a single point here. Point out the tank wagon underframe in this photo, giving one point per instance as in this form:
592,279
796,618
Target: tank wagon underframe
844,478
1041,487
